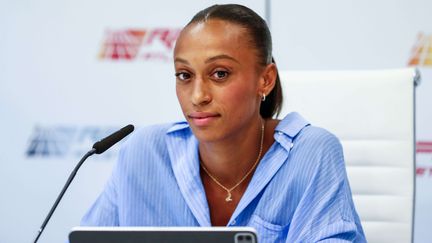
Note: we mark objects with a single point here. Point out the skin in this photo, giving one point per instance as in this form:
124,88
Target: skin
219,85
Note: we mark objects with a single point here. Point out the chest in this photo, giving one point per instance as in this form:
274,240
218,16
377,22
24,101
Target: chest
221,202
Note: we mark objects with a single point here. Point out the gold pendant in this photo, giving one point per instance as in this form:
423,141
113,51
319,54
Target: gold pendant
228,198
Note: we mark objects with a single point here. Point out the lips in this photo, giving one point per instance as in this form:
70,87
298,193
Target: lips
201,119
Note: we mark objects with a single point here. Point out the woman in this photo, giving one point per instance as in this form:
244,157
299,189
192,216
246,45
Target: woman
231,164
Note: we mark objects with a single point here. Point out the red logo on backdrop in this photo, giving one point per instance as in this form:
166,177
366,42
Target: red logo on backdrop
139,44
424,150
424,147
421,53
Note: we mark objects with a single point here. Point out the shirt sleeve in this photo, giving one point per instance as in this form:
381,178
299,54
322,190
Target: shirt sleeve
104,211
326,211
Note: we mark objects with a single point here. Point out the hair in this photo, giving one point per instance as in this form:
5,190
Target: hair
260,38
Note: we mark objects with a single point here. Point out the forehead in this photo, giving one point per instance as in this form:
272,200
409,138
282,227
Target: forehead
214,35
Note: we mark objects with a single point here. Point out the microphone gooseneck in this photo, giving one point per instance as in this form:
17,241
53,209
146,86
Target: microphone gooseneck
98,148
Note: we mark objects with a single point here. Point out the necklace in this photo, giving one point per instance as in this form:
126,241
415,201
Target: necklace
229,190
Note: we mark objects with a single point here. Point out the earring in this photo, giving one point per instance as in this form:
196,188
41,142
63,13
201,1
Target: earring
263,97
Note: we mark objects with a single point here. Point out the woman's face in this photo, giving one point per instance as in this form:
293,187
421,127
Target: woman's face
218,79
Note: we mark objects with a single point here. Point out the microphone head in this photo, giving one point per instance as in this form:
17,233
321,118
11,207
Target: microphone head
112,139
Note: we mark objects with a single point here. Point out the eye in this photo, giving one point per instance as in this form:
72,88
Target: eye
220,74
183,76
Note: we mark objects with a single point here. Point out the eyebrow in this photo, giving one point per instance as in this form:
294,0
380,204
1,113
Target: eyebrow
178,59
222,56
211,59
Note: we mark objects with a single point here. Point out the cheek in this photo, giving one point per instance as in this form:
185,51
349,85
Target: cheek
181,96
240,98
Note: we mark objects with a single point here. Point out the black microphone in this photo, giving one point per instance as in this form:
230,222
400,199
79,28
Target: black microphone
98,148
112,139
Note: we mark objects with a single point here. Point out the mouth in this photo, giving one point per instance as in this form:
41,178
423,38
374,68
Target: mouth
201,119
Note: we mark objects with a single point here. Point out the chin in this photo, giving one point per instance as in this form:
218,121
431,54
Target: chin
206,134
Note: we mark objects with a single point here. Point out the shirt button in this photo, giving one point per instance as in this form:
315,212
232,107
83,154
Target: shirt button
233,222
280,133
292,145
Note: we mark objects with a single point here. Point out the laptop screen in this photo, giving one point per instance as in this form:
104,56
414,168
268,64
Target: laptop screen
163,235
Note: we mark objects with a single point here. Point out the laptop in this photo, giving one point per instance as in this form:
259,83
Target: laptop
163,235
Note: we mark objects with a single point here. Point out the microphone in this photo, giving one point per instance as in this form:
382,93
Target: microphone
112,139
98,148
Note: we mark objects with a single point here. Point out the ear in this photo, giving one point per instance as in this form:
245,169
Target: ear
268,79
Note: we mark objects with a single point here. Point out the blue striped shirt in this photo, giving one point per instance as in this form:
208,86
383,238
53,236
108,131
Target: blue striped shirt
298,193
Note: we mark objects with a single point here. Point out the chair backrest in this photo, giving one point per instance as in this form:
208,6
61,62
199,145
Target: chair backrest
372,113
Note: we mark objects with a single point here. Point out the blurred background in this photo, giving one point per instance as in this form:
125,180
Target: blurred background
71,72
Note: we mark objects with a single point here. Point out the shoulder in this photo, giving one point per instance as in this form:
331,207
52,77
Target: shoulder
317,138
311,146
301,132
320,151
146,134
145,148
151,137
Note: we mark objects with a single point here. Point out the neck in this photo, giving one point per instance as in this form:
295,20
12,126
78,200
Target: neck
230,159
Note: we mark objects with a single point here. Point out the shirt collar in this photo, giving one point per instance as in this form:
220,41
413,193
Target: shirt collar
292,124
178,126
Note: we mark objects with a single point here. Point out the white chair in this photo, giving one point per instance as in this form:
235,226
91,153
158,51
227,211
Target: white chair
372,113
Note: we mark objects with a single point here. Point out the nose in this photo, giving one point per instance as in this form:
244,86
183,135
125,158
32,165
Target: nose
201,92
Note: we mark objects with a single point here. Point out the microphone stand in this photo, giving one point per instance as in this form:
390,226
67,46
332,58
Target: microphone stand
60,196
98,148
